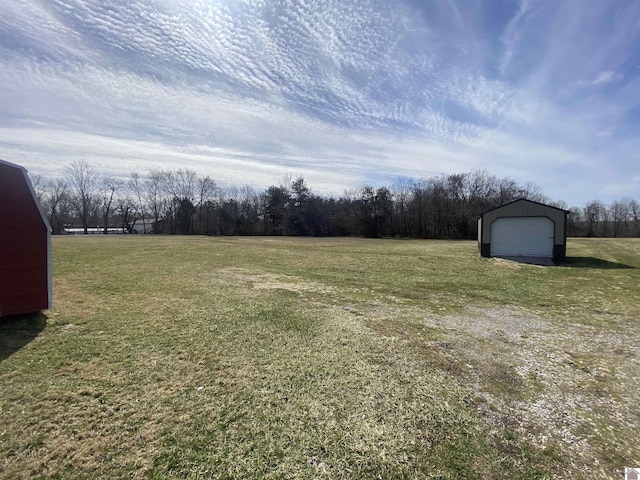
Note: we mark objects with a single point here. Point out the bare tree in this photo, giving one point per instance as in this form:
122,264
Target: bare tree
251,221
575,222
206,189
401,191
39,186
108,188
135,186
620,211
482,187
154,193
558,204
444,206
508,190
634,208
126,208
181,184
56,203
593,215
83,181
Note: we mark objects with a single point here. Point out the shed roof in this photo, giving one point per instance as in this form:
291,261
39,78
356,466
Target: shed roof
524,200
33,193
14,165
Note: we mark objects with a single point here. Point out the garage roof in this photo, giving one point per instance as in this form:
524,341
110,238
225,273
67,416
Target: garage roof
524,200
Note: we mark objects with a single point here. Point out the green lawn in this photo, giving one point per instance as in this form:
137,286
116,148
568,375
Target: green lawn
193,357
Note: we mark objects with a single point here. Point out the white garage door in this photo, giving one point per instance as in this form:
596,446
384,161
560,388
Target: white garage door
522,236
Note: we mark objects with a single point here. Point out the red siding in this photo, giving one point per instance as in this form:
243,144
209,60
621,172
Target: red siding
24,280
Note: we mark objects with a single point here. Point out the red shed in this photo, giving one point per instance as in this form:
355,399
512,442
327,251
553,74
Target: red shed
25,245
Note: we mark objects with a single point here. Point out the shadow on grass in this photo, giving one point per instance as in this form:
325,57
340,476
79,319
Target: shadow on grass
18,330
540,261
591,262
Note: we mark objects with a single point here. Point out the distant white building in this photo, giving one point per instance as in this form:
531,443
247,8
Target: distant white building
91,230
143,225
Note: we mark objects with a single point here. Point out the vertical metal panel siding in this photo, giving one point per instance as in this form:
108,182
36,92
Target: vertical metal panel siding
523,208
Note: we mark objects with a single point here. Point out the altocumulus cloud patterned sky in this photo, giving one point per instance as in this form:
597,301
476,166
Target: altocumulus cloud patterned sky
343,92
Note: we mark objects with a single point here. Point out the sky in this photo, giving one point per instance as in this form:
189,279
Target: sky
344,92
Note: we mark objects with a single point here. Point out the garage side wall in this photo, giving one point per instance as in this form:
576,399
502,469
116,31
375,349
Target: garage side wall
524,208
483,247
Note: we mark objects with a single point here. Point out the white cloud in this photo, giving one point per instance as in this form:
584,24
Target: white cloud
606,77
631,187
606,132
341,92
512,35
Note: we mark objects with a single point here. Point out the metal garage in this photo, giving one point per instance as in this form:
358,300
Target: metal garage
523,228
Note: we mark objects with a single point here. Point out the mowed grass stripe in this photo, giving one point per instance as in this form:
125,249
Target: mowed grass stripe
195,357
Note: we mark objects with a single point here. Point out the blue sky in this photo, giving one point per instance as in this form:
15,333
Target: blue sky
342,92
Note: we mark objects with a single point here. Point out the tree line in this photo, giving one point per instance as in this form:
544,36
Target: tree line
186,203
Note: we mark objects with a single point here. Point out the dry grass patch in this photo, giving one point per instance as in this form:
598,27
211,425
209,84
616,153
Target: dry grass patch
299,358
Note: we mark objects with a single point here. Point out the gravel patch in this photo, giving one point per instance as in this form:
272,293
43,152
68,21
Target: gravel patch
561,384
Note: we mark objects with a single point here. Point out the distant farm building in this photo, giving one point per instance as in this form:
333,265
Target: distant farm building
91,230
25,245
143,225
523,228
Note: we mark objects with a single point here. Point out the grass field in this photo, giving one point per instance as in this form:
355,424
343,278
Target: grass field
192,357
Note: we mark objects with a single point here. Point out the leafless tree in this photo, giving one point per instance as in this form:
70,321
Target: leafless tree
533,192
206,190
56,203
620,211
634,208
593,216
108,188
126,207
444,206
575,222
39,186
250,208
181,184
154,193
401,192
83,180
135,187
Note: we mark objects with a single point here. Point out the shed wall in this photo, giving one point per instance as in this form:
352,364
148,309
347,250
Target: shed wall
25,272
